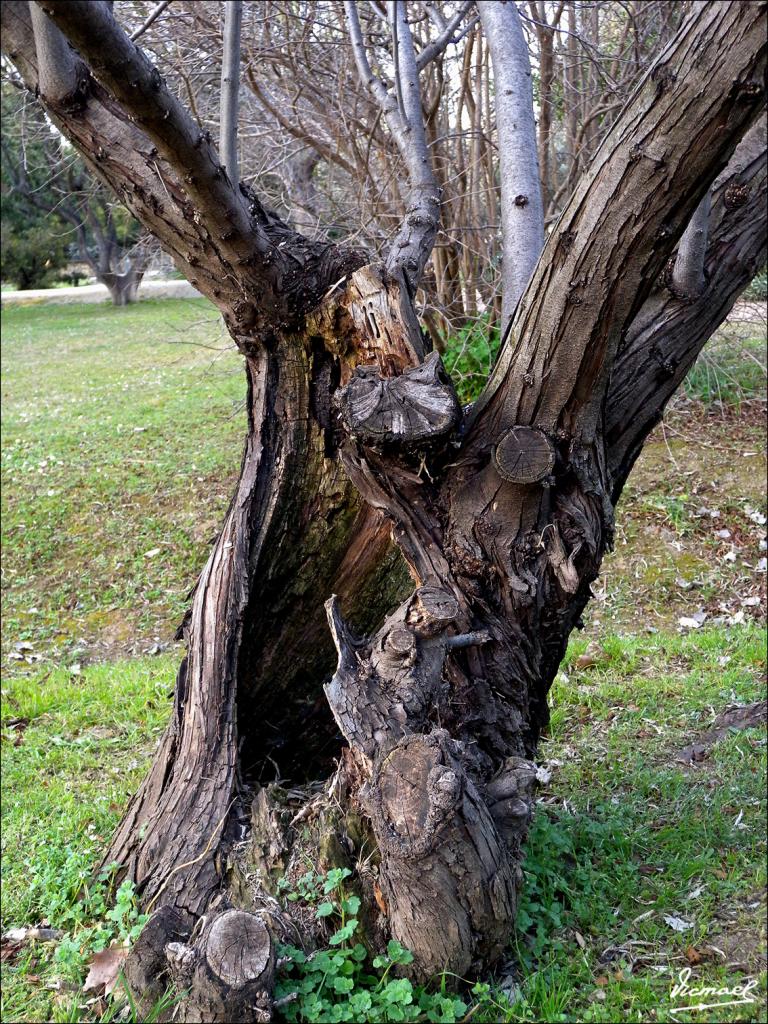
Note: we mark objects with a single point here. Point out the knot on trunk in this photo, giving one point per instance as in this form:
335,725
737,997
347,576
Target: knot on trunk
387,687
524,455
412,409
416,787
228,972
445,874
736,195
510,797
431,611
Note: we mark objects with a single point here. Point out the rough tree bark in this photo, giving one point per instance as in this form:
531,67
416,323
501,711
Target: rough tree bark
502,512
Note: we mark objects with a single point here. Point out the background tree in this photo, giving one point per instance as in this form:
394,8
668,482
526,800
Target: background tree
52,206
33,244
502,511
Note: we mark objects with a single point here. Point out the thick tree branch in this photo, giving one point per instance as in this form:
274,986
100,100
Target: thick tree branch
413,243
230,89
666,336
625,217
262,275
59,77
522,210
137,85
118,153
688,279
371,81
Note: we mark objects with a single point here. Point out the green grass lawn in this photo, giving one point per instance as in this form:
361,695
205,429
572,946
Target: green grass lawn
122,434
121,440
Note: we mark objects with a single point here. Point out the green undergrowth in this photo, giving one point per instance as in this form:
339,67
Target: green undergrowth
74,749
625,834
469,357
730,370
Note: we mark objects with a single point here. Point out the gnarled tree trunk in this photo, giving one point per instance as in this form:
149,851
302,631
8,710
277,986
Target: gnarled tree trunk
502,511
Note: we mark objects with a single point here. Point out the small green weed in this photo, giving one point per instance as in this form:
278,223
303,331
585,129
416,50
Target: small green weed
101,917
344,983
757,289
731,368
469,357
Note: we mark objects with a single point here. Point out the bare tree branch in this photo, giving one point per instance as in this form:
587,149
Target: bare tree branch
133,80
150,20
544,380
230,89
522,211
665,337
367,77
413,243
447,36
115,150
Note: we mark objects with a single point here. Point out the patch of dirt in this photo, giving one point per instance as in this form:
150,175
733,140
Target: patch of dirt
742,940
689,535
748,716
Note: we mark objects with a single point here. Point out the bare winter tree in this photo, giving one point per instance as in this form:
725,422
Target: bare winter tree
313,137
502,511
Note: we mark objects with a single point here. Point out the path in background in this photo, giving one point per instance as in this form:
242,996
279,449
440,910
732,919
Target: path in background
98,293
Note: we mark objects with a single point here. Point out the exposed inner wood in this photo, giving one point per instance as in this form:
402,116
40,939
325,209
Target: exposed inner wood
524,455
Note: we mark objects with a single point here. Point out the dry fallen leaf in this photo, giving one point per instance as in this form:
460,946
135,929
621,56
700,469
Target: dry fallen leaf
586,661
650,869
105,970
678,924
9,950
589,658
379,897
580,939
692,955
694,621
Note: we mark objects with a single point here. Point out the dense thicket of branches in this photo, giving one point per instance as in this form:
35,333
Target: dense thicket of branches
315,139
412,179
